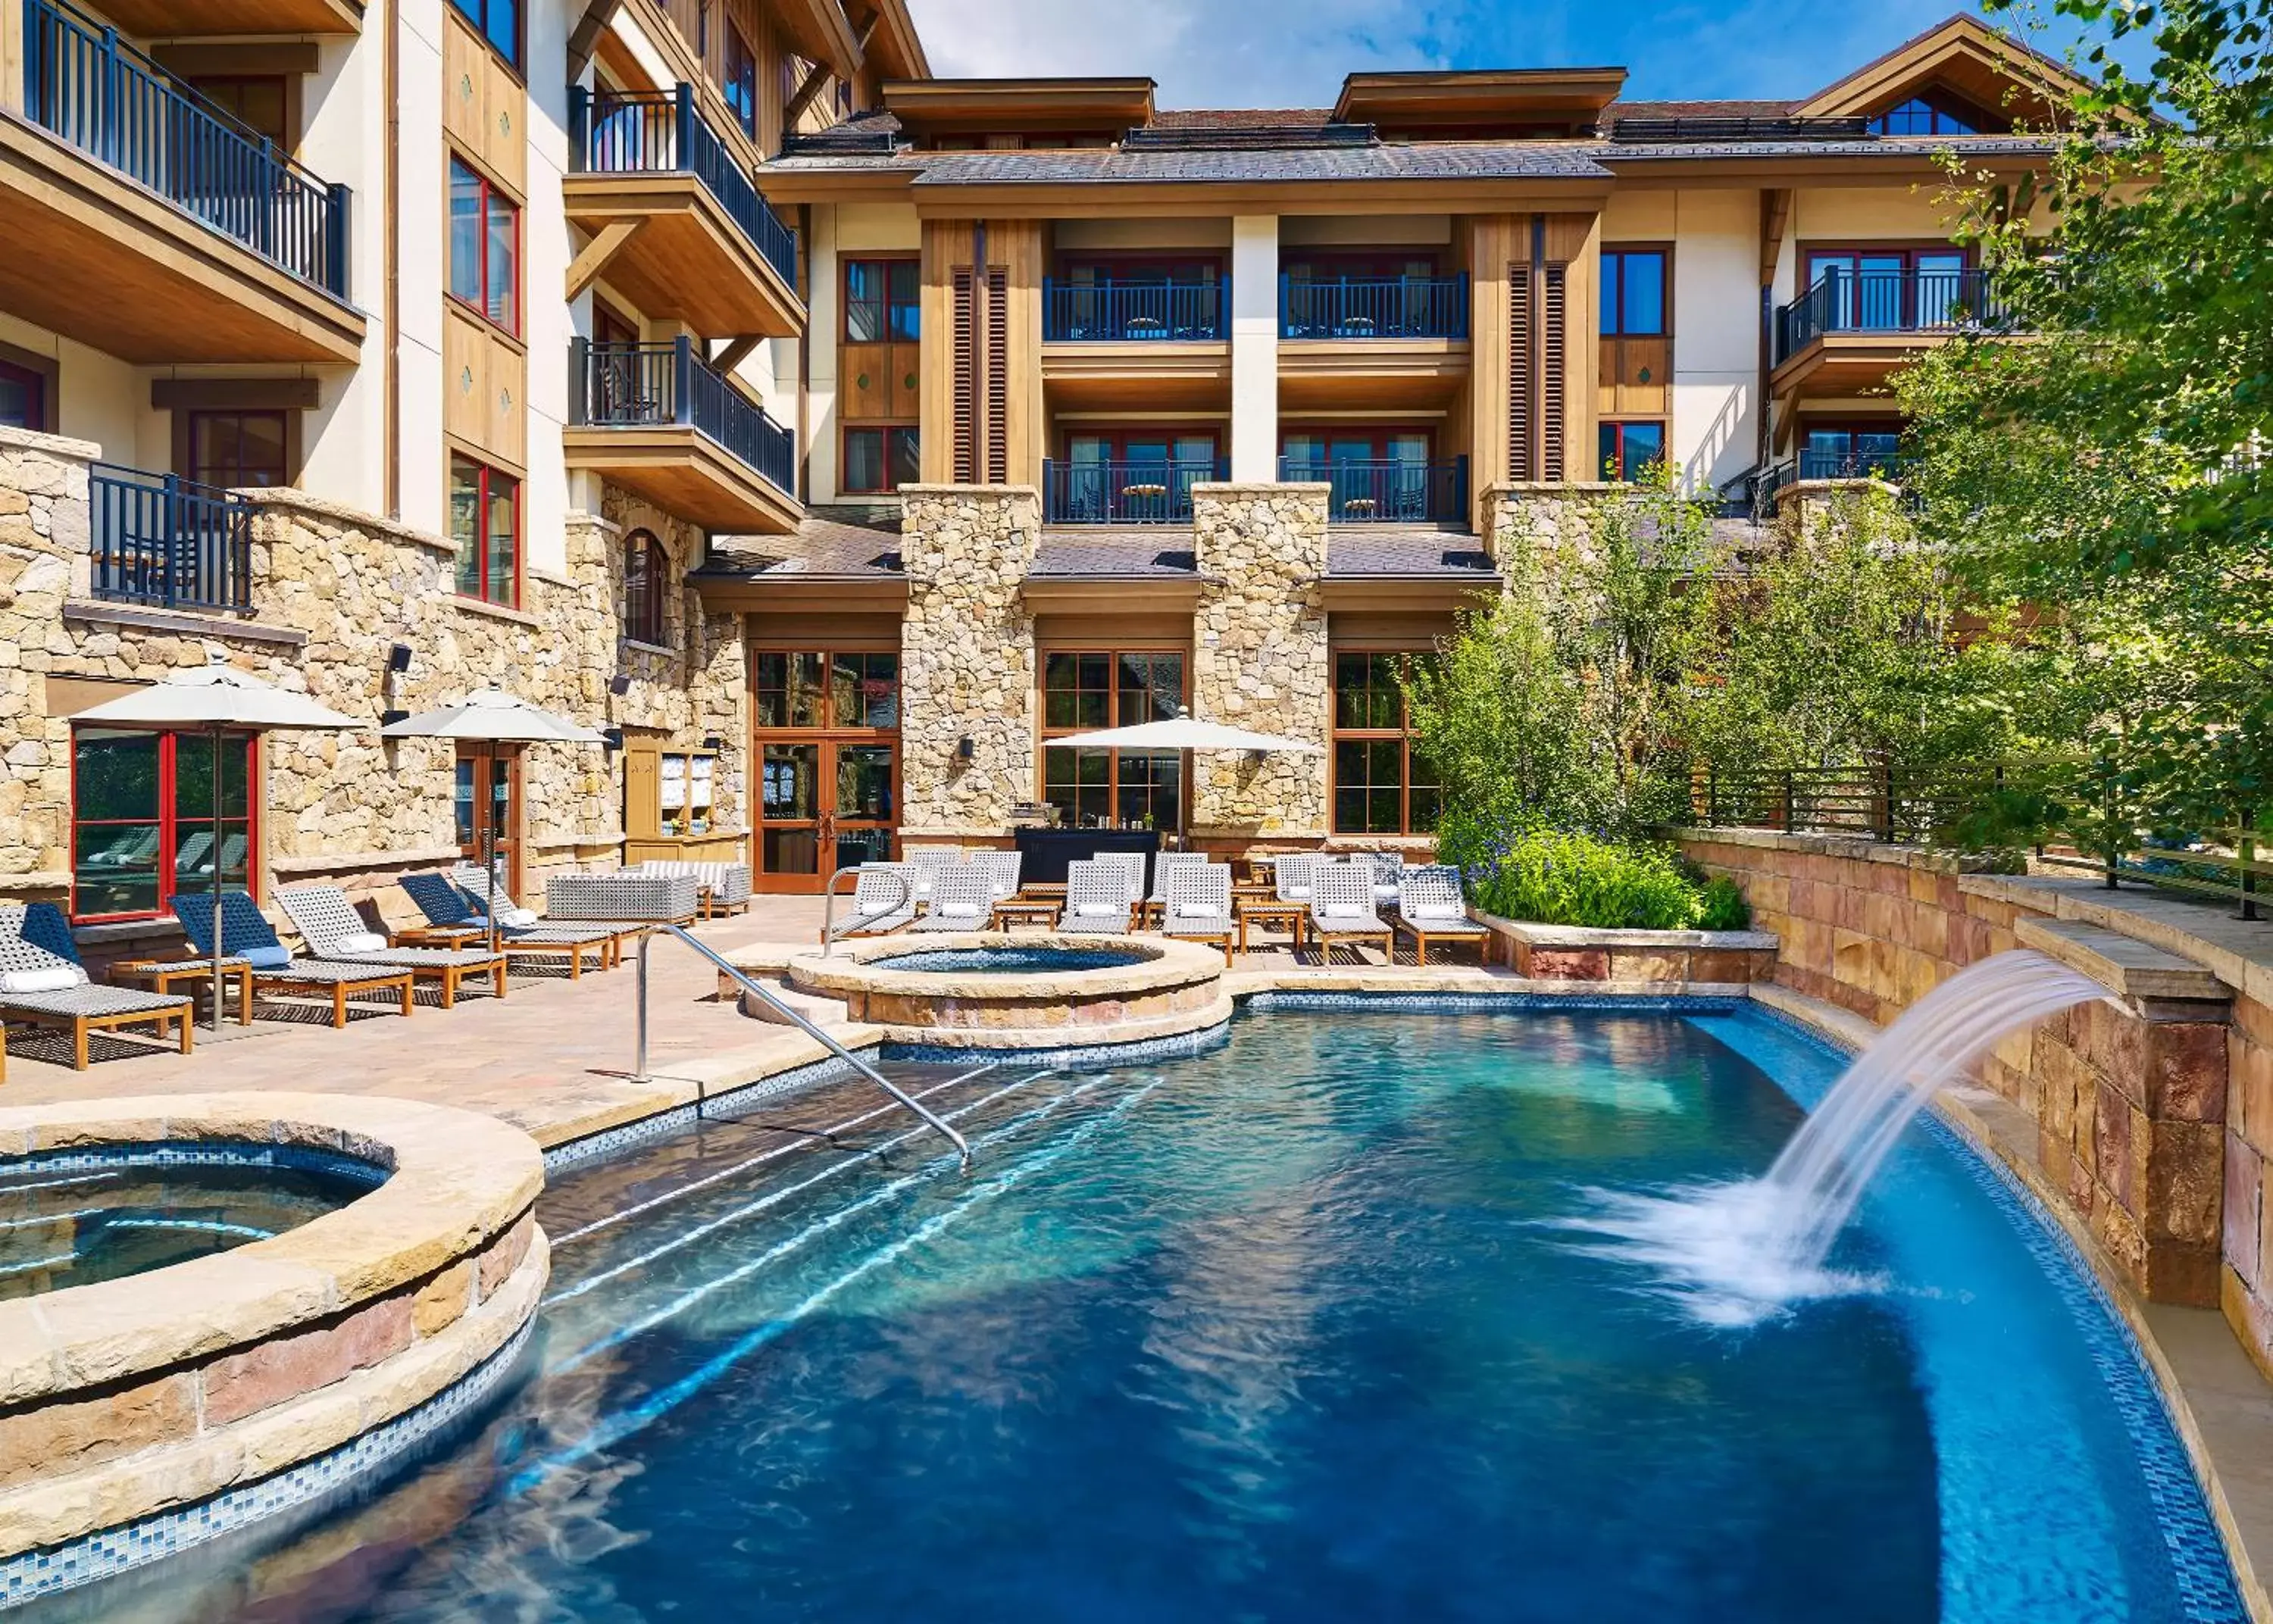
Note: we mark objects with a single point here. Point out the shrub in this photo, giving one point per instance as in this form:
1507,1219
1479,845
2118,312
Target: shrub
1724,907
1548,876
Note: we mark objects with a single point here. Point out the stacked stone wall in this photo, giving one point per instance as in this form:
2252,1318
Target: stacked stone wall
1261,657
966,658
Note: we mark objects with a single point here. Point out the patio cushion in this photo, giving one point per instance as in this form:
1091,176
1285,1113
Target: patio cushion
959,910
50,978
1193,910
1435,910
275,957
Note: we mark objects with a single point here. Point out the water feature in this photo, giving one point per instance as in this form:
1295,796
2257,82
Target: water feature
1738,1251
1281,1332
75,1218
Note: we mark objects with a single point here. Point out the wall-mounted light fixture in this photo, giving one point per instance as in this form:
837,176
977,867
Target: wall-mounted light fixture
398,657
964,748
711,741
619,684
388,718
612,738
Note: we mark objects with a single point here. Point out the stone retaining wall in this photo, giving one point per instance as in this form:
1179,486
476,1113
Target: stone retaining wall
2155,1120
131,1398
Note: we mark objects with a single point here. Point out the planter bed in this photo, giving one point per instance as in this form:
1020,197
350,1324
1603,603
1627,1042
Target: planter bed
1578,953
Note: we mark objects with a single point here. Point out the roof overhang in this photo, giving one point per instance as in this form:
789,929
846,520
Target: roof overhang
807,594
894,45
822,33
1874,163
1347,593
1004,106
1107,200
1574,96
1964,54
1111,594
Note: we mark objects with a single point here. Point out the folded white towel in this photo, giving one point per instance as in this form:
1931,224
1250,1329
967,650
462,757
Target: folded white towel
517,919
55,978
361,941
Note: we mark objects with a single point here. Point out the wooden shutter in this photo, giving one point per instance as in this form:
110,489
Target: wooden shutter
998,375
1554,346
962,366
1519,465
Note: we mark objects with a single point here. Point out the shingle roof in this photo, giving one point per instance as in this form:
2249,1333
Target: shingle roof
1158,556
1696,109
820,546
1407,553
1440,160
1890,147
1240,117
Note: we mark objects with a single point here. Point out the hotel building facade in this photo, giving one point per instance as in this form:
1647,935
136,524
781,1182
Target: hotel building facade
833,437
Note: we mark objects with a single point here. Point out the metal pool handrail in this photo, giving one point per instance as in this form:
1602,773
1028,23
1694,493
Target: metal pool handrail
639,1065
829,937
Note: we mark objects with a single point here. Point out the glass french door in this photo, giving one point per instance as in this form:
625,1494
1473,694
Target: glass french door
489,807
1893,290
823,805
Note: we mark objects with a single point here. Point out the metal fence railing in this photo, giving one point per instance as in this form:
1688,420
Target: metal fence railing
647,386
1386,491
163,541
1907,301
87,87
1143,492
1154,310
1388,307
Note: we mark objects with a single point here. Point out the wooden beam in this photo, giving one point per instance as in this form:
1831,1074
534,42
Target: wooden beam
584,39
737,351
243,394
588,264
794,108
1775,220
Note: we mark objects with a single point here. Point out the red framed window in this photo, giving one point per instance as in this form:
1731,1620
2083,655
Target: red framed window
1634,292
142,822
878,460
486,524
484,247
23,398
882,302
1624,449
646,581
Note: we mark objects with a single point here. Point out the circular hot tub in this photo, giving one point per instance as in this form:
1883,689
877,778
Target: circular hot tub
991,990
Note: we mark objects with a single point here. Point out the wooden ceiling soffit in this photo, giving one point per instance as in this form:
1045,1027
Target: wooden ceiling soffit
1962,54
806,593
1120,200
1004,106
1515,96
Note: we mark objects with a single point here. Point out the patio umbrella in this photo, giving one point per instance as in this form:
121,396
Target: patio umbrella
499,718
1183,733
218,698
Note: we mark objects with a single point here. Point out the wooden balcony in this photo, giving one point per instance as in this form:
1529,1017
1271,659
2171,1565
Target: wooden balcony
676,221
1850,332
151,225
207,18
656,420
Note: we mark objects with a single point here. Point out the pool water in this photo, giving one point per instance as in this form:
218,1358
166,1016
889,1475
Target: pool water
1288,1331
1011,960
75,1219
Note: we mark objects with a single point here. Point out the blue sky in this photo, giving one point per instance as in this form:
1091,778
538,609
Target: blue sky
1293,53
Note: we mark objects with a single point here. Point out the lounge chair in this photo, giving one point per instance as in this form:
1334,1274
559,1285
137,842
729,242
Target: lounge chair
1388,870
962,899
883,900
585,907
1099,901
1199,905
1001,871
452,920
328,923
725,885
1429,908
246,933
1341,909
1290,877
927,862
43,983
1164,864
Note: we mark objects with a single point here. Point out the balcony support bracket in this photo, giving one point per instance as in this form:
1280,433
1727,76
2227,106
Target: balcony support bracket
735,352
585,268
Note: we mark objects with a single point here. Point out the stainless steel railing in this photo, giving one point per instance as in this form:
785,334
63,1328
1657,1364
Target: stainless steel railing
639,1063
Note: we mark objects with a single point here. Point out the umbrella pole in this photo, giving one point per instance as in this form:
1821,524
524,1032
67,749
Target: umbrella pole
489,872
217,943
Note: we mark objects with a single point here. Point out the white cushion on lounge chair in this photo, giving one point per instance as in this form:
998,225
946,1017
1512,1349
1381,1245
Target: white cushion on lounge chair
1340,910
1193,910
360,941
53,978
1435,910
519,918
958,910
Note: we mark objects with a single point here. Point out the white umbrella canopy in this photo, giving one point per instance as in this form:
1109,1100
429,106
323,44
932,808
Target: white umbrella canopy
218,698
1184,733
493,714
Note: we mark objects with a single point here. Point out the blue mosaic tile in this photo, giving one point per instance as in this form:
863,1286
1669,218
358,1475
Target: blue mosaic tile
1495,1003
116,1550
725,1103
198,1153
1074,1058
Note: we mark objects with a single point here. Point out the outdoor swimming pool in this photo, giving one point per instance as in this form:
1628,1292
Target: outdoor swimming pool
1290,1330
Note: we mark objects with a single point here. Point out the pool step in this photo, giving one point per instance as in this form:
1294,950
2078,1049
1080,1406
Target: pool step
814,1007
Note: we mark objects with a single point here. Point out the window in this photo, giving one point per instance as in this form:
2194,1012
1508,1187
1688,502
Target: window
1888,289
1919,116
1845,451
23,398
498,21
228,450
1381,787
1091,789
1624,449
261,104
647,581
841,689
484,247
741,81
881,460
1634,292
486,524
142,823
882,302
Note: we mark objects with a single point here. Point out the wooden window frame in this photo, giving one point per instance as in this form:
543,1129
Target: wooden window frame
730,83
647,573
485,472
44,374
476,13
492,195
1215,433
828,727
1402,733
1619,425
1664,252
1909,248
168,819
891,486
1378,434
1048,733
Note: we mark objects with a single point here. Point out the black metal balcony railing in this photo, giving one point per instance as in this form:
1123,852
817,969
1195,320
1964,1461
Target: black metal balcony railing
1912,301
1385,491
158,539
1770,482
1107,311
1393,307
82,84
663,132
656,385
1157,490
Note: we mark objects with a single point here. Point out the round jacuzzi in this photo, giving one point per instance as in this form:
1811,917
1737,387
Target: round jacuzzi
994,990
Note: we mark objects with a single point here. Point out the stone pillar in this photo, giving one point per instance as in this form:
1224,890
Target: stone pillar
1254,349
43,543
1525,520
966,658
1259,656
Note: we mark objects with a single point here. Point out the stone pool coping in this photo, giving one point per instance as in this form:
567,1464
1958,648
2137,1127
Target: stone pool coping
124,1399
852,967
2218,1400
